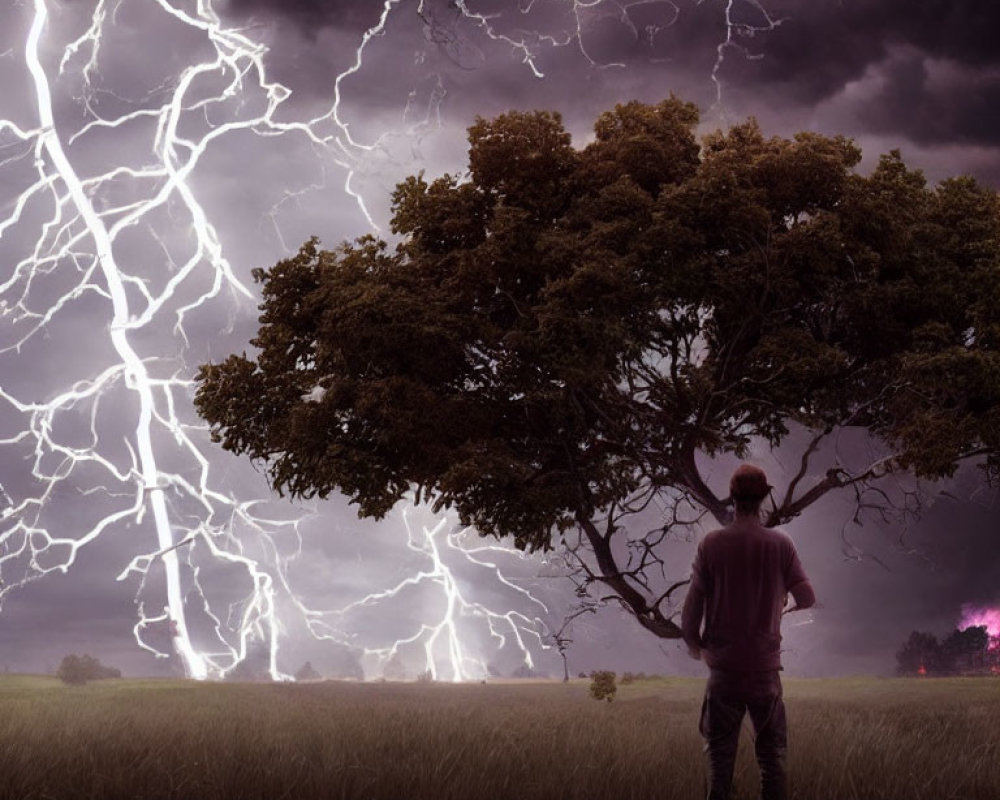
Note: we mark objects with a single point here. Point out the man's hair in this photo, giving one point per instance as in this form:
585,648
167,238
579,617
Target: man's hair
748,488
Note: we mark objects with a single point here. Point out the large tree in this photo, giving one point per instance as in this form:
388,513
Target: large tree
560,337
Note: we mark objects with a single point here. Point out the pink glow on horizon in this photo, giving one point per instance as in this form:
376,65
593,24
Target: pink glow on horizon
981,615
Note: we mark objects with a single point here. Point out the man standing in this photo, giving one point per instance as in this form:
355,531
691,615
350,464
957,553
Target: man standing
740,582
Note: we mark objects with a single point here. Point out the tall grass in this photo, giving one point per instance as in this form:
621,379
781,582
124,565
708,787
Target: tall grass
857,739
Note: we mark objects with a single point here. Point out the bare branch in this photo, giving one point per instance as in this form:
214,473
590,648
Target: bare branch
647,614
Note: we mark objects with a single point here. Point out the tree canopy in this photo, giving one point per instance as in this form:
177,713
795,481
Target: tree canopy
559,336
77,670
962,651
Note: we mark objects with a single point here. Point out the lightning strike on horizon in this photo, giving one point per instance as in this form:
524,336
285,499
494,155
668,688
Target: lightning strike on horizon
80,225
440,638
70,231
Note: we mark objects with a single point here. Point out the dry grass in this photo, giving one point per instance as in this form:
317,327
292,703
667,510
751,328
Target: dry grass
855,739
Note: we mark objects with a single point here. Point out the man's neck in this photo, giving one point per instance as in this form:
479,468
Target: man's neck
746,518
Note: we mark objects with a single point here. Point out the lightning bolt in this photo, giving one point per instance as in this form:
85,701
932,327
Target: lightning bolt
735,30
111,251
442,636
80,242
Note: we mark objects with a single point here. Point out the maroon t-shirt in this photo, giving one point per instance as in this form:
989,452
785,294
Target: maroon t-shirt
739,581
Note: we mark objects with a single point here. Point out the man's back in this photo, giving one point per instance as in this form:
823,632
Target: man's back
742,574
739,582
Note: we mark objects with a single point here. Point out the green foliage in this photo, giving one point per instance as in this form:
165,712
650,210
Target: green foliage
559,328
602,685
77,670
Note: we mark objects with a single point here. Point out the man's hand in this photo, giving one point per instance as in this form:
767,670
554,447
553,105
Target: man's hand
694,651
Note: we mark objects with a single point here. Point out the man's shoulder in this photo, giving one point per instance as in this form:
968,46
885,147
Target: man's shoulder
711,539
777,534
717,537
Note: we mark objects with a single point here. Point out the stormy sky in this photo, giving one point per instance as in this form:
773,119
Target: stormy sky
206,146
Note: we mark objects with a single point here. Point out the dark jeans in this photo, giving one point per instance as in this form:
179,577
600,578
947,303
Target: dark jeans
727,697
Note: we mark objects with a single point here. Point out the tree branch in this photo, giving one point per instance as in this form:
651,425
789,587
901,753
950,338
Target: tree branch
648,615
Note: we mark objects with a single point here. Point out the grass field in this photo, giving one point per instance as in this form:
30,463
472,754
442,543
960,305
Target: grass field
850,739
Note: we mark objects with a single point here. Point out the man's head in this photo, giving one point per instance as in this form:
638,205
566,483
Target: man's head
748,488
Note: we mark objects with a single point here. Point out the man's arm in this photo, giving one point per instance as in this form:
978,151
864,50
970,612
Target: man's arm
797,582
804,596
694,609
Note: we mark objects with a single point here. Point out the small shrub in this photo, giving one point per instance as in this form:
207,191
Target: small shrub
425,677
71,671
77,670
307,673
582,675
602,685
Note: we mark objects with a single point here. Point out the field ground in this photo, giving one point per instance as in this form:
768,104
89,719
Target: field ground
850,739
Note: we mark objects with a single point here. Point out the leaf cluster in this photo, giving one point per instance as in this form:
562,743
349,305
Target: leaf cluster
603,685
558,328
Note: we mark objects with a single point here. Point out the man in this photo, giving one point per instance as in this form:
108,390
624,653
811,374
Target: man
740,582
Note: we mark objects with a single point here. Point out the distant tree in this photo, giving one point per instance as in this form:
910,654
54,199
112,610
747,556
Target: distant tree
77,670
307,673
425,677
602,685
920,655
70,671
562,337
561,637
965,649
961,651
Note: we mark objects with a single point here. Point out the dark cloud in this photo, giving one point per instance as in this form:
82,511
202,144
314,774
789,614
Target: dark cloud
821,46
309,14
933,102
928,71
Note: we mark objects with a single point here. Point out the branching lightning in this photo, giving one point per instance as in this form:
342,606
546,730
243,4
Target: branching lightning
445,654
736,30
115,250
